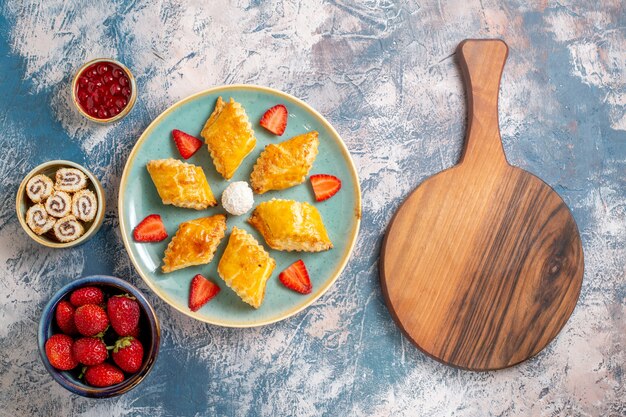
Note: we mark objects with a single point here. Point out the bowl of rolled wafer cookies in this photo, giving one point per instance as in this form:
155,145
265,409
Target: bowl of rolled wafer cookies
60,204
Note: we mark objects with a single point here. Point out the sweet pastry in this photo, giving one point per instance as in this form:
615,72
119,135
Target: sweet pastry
194,243
68,229
59,204
245,267
181,184
70,180
38,219
229,136
84,205
285,164
290,225
39,187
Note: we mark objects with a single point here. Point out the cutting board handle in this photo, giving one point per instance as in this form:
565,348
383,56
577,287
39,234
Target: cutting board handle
482,62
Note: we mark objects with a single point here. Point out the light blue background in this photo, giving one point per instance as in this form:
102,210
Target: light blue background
384,74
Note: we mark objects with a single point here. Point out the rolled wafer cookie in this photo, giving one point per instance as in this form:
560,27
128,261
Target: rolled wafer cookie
39,187
84,205
39,220
59,204
70,180
68,229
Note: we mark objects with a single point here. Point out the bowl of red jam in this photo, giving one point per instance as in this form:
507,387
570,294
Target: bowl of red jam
104,90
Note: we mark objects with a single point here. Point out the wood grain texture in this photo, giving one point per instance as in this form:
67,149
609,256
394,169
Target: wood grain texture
482,265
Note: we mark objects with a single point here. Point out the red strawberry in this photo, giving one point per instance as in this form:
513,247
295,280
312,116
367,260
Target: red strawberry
104,375
325,186
201,292
65,317
90,351
296,278
59,352
134,332
187,145
90,320
124,314
87,295
151,229
128,354
275,119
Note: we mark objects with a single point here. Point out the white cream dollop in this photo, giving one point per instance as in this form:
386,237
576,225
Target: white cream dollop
237,198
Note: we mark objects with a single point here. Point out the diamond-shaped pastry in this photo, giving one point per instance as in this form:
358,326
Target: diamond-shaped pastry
229,136
195,243
245,267
285,164
181,184
291,225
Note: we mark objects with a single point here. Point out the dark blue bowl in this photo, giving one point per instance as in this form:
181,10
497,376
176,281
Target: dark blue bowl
150,335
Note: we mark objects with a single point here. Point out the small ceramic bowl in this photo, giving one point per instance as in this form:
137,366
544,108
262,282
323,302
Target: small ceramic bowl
125,110
150,336
23,203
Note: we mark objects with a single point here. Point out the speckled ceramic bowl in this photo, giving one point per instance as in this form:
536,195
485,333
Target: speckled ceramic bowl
131,101
23,203
150,336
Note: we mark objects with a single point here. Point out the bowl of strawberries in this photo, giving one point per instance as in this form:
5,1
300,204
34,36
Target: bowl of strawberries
98,336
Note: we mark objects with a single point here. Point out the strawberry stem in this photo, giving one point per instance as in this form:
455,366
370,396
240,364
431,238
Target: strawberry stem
130,297
122,343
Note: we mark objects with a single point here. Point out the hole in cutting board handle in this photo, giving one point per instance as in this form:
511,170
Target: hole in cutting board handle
482,62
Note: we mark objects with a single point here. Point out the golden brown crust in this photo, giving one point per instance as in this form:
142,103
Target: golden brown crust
181,184
285,164
229,136
195,243
245,267
291,226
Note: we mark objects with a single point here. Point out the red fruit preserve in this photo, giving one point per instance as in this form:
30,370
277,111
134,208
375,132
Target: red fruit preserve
103,90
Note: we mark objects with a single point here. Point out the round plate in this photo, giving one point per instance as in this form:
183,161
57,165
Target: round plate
138,198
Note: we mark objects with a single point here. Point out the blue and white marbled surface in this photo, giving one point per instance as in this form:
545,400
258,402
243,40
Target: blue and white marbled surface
384,75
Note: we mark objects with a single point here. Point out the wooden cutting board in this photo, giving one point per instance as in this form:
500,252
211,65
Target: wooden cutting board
482,264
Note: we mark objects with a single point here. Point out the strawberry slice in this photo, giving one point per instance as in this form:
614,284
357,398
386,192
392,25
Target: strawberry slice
187,145
151,229
201,292
296,278
325,186
275,119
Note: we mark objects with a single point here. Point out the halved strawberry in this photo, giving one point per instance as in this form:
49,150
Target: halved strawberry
187,145
275,119
201,292
151,229
325,186
296,278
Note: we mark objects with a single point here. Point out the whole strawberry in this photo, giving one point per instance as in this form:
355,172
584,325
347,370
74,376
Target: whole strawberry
64,316
135,332
128,354
87,295
103,375
90,319
124,314
59,352
89,351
